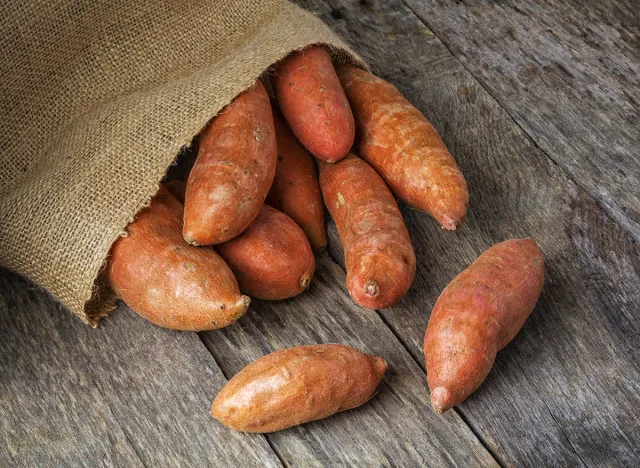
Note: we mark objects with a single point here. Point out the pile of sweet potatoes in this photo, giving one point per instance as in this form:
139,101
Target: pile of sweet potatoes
251,213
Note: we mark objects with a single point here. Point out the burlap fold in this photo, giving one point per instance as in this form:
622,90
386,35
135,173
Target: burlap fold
98,97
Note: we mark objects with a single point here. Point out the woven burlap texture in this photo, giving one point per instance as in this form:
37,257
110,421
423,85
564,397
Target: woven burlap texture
98,97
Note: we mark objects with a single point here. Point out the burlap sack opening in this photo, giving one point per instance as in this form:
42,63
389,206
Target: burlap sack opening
98,98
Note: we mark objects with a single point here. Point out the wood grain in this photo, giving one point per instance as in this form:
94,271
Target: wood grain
127,394
567,390
568,72
395,428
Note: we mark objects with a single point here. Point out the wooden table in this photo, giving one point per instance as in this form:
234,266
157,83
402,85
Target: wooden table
539,102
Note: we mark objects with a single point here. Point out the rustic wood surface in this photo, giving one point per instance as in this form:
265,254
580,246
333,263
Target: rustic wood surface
568,72
548,151
123,395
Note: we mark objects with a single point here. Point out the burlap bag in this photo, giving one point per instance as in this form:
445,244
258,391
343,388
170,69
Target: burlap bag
98,97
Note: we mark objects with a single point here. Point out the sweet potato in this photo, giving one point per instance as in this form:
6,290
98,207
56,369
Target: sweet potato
272,258
297,385
295,190
168,282
476,315
233,171
314,104
400,143
379,257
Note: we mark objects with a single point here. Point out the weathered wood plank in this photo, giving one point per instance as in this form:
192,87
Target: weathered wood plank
567,390
569,73
126,394
395,428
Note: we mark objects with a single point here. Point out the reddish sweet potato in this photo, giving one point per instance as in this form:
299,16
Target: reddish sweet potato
233,171
476,315
405,149
379,257
295,190
168,282
272,258
297,385
314,104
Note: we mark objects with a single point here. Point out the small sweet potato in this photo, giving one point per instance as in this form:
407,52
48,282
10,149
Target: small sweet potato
272,258
297,385
476,315
379,258
295,190
400,143
233,171
314,104
168,282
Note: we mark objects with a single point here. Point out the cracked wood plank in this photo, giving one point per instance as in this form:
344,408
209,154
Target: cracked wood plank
126,394
566,391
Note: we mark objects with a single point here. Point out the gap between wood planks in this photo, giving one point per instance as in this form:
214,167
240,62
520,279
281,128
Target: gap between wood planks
560,427
531,137
115,417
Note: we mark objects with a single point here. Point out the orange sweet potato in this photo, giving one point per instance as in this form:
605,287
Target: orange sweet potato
168,282
405,149
379,258
233,171
476,315
314,104
272,258
295,190
297,385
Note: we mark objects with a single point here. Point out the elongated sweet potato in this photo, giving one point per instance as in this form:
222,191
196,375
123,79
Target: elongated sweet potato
314,104
272,258
295,190
168,282
476,315
405,149
233,171
297,385
379,258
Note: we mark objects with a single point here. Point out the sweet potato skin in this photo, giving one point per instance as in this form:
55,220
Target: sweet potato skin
313,102
168,282
379,258
233,172
295,190
297,385
476,315
272,258
404,148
